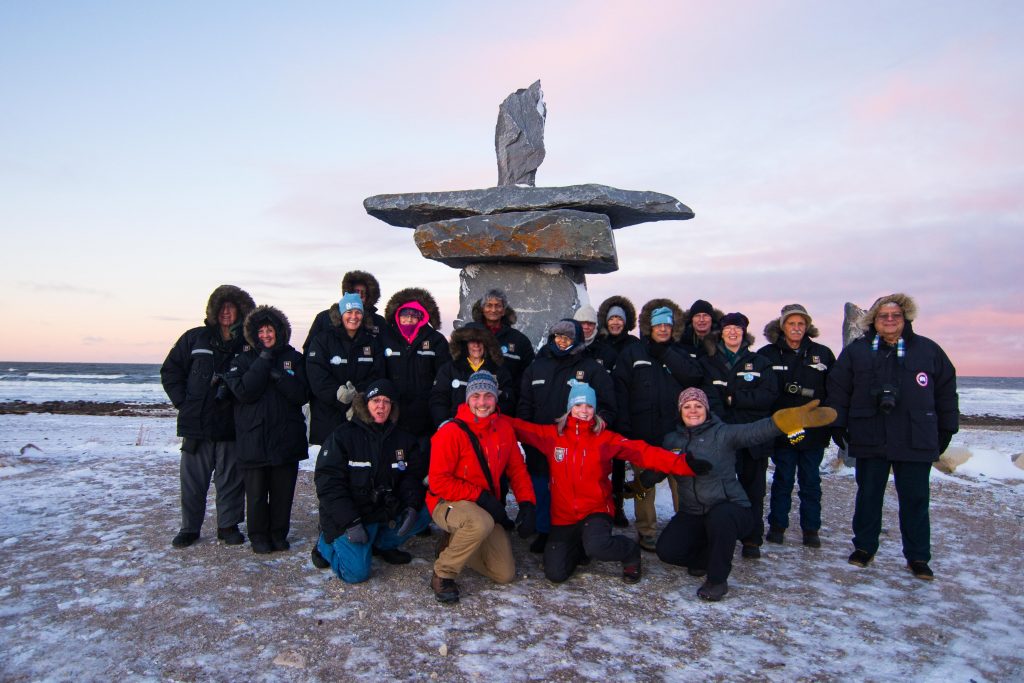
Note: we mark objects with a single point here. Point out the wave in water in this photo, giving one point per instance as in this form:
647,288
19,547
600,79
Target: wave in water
53,375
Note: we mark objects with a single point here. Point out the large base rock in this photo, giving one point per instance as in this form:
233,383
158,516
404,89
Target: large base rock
540,294
574,238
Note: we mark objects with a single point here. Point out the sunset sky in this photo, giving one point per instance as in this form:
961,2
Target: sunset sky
832,152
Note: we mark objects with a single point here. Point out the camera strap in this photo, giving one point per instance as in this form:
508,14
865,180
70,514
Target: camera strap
475,442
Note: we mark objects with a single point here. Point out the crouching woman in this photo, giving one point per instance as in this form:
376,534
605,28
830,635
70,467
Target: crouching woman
368,480
714,511
580,451
268,381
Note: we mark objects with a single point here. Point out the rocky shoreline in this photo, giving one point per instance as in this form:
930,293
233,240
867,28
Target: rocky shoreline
123,409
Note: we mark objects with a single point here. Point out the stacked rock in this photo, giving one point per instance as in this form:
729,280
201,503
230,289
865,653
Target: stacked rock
535,243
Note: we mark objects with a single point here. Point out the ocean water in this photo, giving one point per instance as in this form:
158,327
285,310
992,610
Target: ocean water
140,383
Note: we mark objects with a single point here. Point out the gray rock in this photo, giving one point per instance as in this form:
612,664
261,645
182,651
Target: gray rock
623,207
541,294
519,136
574,238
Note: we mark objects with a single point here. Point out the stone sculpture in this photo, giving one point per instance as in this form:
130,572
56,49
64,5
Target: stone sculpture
535,243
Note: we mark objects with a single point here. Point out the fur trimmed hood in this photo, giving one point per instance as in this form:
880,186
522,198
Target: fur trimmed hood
678,324
422,296
457,344
866,322
236,295
602,314
773,330
715,336
267,315
360,277
509,319
361,412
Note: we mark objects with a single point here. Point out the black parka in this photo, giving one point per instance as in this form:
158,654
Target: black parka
372,321
367,473
199,355
269,394
449,390
334,359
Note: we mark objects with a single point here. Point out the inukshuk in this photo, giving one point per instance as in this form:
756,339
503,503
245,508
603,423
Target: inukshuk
535,243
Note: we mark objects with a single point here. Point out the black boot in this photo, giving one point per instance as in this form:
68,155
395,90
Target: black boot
184,539
713,592
445,590
318,560
230,535
393,555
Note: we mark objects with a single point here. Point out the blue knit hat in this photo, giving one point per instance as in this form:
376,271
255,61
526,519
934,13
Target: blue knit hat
581,393
350,302
481,380
661,316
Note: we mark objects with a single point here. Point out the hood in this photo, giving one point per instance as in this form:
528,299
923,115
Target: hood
714,336
509,319
773,330
602,313
475,332
357,277
417,294
866,323
678,324
578,344
236,295
267,315
361,412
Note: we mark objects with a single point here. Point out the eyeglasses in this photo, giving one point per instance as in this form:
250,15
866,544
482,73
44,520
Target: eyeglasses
890,316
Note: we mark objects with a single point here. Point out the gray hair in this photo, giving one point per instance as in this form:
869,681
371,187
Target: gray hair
494,294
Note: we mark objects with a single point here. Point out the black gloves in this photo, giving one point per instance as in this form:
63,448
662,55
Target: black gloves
841,437
406,521
944,439
650,478
526,520
490,504
698,466
357,534
267,354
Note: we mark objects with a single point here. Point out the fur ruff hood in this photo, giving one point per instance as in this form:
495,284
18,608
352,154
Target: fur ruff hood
509,319
360,277
236,295
417,294
267,315
361,412
866,323
602,314
715,336
474,332
678,324
773,330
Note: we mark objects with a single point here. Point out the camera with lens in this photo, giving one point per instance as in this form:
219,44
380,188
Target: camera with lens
887,396
793,388
385,497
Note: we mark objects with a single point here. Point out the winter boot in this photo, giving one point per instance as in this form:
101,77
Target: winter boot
445,590
713,592
648,543
230,535
859,558
279,544
538,543
921,570
696,571
631,571
393,555
776,534
750,552
318,560
184,539
812,539
261,546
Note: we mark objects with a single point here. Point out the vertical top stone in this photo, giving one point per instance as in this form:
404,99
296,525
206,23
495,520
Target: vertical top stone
519,136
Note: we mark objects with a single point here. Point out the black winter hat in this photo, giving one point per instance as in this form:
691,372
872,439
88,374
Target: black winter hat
382,387
737,319
701,306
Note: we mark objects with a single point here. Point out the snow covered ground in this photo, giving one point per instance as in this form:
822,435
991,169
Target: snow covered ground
90,588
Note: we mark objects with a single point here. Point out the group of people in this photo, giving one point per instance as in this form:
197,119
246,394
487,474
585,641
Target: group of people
418,430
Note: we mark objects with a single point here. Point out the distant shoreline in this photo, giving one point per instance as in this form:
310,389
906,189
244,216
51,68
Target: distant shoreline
123,409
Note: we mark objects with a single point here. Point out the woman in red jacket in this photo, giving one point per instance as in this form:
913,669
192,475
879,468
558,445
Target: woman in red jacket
580,452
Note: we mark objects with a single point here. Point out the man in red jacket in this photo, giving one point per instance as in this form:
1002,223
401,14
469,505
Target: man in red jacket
468,456
580,451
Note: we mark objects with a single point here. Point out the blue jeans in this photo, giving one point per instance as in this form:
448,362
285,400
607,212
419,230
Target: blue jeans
802,466
542,490
351,561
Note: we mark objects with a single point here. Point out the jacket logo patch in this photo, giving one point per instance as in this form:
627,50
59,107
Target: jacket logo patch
581,375
559,454
367,351
815,360
748,367
336,360
426,346
287,365
922,379
246,348
312,354
400,459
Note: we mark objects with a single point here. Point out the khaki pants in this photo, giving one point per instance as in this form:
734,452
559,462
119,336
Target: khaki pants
476,542
644,511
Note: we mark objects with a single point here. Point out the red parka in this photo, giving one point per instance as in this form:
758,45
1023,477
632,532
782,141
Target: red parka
455,472
581,461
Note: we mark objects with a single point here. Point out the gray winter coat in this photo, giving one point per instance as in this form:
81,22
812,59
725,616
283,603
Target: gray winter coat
716,442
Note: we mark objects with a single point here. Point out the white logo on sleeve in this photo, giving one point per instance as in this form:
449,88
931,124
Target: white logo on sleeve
922,379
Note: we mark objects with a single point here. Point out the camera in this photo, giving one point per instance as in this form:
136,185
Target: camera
888,396
793,388
383,496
